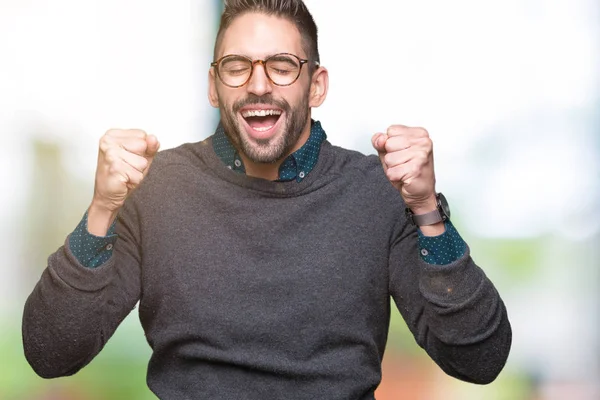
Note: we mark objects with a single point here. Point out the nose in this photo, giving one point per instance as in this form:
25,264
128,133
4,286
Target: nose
259,83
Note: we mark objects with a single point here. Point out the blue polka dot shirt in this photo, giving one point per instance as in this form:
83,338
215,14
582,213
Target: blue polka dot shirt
90,250
296,166
443,249
93,251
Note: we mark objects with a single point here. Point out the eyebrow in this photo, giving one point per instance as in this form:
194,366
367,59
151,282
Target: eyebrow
235,57
261,58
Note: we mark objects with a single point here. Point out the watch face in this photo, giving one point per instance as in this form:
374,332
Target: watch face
444,205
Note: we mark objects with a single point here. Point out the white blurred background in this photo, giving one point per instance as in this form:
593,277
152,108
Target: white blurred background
509,91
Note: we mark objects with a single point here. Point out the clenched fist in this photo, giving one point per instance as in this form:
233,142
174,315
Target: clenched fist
124,159
407,158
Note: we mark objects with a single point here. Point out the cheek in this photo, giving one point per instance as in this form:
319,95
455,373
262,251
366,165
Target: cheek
221,97
297,98
225,96
226,104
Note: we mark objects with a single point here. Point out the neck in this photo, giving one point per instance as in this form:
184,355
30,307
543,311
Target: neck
270,172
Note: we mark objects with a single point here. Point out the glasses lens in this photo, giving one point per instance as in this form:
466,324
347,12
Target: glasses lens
235,70
283,69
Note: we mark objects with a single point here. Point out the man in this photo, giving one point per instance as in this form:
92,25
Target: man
264,258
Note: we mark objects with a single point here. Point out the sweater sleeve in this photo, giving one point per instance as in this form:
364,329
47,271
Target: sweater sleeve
73,310
454,311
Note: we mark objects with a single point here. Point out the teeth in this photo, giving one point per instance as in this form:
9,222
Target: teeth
260,113
262,129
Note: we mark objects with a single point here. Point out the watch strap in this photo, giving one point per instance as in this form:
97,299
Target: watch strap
430,218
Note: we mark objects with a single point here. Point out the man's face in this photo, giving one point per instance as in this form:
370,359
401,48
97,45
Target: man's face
263,139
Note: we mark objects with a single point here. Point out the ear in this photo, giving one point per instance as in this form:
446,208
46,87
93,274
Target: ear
213,96
319,87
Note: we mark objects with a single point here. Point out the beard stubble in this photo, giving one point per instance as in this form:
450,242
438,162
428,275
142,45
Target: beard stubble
271,150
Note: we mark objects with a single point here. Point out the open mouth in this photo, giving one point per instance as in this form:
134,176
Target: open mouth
261,123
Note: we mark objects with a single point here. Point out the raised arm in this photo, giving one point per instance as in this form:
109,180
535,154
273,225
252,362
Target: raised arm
451,307
76,306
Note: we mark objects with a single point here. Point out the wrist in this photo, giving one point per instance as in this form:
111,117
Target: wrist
426,214
433,230
424,207
99,219
431,204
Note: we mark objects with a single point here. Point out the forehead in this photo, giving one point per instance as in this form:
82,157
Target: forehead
258,36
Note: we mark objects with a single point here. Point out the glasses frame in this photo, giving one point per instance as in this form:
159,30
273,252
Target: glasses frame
301,61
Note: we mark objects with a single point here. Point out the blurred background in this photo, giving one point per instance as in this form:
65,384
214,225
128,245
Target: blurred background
509,91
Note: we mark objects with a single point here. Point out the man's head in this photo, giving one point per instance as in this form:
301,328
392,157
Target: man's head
294,11
283,88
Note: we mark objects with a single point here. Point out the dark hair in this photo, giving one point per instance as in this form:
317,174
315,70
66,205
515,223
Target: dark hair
293,10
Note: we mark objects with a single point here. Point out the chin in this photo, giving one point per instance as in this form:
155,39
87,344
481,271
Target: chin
264,151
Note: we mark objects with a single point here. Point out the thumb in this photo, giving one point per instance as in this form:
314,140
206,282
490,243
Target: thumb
152,145
378,141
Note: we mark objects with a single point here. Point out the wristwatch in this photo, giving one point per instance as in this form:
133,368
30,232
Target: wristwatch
442,213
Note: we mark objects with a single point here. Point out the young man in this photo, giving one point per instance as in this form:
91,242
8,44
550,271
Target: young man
264,257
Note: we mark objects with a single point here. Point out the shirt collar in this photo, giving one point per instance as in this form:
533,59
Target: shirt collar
296,166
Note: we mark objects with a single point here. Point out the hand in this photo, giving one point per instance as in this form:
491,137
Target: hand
407,158
124,159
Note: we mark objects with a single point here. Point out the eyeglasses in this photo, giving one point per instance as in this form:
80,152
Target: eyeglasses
281,69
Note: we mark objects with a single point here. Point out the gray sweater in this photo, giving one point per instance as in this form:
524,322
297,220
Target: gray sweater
251,289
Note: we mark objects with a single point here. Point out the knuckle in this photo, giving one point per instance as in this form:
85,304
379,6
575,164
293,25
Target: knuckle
144,163
110,155
109,158
415,169
113,132
139,133
390,174
134,180
393,174
388,159
104,143
114,169
425,140
422,132
137,177
429,144
397,129
391,144
423,144
137,145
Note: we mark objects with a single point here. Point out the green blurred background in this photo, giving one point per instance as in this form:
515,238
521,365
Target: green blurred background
509,90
